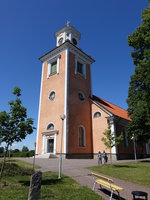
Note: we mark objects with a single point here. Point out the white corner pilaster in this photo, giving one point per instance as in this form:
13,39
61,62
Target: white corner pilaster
37,136
66,103
112,128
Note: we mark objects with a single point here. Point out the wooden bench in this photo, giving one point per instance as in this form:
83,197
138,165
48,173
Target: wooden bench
107,183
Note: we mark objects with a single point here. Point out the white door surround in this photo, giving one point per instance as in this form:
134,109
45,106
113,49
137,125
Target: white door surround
46,137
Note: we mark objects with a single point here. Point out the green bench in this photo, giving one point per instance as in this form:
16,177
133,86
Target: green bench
107,183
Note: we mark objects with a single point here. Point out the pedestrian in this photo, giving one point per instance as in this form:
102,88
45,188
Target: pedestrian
99,158
104,157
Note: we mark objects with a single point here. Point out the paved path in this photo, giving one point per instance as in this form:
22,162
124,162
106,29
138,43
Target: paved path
76,169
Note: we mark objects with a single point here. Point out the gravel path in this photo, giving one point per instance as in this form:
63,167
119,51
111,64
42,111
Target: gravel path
76,169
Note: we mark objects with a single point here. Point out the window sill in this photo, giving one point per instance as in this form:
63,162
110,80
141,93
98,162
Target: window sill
82,75
52,74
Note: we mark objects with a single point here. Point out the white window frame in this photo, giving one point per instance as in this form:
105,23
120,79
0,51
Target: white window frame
84,138
84,66
56,59
50,129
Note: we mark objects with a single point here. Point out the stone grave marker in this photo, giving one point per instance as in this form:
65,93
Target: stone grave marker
35,186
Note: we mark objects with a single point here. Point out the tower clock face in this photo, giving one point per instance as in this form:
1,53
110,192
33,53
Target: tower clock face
60,41
74,41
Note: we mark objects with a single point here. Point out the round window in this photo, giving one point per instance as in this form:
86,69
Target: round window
81,96
52,95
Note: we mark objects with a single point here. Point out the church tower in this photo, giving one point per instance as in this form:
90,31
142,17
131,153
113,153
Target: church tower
65,90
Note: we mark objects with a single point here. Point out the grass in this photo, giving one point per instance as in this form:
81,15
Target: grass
17,185
135,172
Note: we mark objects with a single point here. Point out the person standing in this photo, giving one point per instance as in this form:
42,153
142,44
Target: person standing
99,158
104,156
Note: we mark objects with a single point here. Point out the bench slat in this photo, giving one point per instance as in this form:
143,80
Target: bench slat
102,177
108,185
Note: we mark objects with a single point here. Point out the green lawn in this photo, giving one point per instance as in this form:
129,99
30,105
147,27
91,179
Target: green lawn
18,185
136,172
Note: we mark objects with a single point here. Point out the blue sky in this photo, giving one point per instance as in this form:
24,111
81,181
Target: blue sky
27,30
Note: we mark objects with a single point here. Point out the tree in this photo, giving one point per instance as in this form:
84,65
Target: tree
25,149
16,150
110,140
2,150
139,89
14,125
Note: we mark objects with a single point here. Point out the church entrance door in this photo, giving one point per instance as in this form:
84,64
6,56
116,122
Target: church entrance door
50,145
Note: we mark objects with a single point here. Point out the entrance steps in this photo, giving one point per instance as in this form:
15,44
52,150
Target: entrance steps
46,155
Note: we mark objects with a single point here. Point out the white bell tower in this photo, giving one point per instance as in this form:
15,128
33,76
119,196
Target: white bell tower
67,33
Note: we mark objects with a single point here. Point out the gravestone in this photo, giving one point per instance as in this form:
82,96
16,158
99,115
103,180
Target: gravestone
35,186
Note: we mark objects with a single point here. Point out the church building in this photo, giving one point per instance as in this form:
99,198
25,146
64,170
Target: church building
69,114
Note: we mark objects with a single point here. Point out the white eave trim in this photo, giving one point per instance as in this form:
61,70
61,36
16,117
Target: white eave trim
104,109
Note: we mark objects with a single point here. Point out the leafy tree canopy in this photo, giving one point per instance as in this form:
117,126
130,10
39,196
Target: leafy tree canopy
25,149
139,89
110,140
14,125
16,150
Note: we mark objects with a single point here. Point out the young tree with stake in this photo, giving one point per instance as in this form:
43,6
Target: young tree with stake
110,140
14,125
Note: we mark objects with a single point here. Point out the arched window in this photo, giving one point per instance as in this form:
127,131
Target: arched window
97,114
50,126
81,136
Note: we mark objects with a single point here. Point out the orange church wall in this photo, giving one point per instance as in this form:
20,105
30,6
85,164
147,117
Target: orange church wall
50,111
99,126
127,150
79,111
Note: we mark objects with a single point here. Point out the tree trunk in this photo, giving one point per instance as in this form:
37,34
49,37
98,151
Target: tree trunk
110,157
3,163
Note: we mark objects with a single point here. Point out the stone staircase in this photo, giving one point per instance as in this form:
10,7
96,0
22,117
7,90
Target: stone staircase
46,155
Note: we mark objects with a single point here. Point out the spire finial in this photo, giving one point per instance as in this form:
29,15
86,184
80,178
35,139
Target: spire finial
68,23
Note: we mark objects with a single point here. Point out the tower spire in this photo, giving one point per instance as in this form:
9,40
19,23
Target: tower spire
68,23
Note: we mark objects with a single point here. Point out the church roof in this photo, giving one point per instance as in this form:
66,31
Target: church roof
112,108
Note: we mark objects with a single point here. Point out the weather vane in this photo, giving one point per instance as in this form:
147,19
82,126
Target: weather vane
68,23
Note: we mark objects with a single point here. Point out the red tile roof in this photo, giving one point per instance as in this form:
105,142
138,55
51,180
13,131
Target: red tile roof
115,110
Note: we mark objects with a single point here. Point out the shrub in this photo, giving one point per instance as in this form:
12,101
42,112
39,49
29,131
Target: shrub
12,169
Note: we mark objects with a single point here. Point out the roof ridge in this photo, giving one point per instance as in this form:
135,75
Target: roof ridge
111,103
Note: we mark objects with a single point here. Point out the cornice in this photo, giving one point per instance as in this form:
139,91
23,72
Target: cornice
63,47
